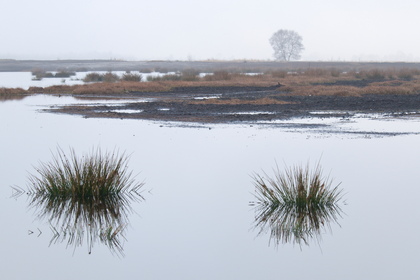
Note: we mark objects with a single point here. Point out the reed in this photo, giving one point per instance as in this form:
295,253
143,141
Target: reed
296,205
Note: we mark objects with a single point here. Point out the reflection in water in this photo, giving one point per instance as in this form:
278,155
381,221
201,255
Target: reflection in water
76,221
296,206
11,94
85,200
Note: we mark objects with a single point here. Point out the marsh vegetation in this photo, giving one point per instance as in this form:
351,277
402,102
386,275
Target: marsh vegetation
39,74
85,199
110,77
12,94
197,218
306,82
296,205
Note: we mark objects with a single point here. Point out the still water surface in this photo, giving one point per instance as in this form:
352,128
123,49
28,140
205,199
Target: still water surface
195,221
26,80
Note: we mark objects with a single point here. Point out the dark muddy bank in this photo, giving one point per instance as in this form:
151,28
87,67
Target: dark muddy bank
243,105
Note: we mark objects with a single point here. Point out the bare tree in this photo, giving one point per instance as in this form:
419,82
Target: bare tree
287,45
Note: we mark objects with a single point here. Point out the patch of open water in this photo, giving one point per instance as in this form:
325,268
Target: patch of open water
26,80
196,221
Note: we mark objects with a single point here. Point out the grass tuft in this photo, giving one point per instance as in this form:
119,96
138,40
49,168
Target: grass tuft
296,205
87,196
92,176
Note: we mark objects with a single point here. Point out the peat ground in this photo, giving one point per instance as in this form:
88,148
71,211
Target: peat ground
242,104
280,90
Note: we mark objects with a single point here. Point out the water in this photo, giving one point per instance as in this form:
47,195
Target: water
195,221
25,80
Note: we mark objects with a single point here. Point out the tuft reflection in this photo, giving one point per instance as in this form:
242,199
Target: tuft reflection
85,200
75,221
10,97
296,206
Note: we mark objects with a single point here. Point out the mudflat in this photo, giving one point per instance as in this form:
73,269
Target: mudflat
236,91
243,104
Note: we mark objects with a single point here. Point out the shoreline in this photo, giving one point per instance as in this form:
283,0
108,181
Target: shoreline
231,97
241,105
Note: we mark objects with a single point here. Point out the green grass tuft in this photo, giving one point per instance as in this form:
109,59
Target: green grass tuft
296,205
93,176
83,197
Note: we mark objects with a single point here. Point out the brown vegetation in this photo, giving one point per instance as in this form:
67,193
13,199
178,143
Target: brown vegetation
12,93
311,81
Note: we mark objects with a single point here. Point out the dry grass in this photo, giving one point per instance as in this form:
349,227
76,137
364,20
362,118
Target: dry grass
383,87
351,84
11,94
218,75
104,88
120,87
326,90
309,82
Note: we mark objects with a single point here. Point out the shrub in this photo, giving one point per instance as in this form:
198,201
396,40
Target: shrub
93,77
278,73
38,73
153,78
190,75
407,74
110,77
335,72
218,76
129,77
167,77
161,70
373,74
64,74
316,72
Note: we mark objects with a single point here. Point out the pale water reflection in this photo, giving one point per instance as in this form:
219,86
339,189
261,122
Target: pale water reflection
195,221
79,223
26,80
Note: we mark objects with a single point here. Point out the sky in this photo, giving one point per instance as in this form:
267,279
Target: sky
332,30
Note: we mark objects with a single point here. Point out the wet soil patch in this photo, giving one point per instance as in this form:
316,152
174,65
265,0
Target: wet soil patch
242,104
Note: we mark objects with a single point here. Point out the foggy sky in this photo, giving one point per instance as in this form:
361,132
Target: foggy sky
332,30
